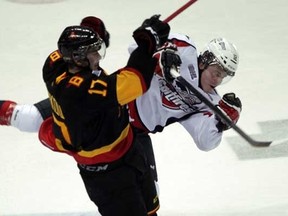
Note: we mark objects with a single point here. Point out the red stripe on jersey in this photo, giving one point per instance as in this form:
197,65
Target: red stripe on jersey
135,119
180,43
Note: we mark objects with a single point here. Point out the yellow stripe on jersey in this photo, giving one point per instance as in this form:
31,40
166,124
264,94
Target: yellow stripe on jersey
128,86
59,145
107,148
64,129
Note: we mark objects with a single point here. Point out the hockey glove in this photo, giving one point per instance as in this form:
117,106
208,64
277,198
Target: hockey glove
162,29
98,26
6,111
231,106
168,62
152,33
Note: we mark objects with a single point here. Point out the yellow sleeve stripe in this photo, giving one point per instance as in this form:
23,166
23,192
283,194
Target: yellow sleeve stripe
129,86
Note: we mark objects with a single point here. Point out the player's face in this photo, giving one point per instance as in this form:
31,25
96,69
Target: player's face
211,77
95,53
94,58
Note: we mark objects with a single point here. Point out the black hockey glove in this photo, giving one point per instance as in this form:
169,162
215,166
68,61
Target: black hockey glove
152,33
231,106
161,28
168,62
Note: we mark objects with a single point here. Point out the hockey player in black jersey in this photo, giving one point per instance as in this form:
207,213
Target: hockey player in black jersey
90,120
43,108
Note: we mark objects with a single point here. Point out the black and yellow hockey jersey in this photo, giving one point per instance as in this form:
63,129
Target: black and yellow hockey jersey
90,117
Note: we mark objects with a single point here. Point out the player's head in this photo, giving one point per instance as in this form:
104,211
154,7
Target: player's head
77,43
98,26
223,53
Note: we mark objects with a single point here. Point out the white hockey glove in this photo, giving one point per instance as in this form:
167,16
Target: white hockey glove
168,62
231,106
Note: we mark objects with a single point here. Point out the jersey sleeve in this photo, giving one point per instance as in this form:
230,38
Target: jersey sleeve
44,108
189,57
134,79
202,128
26,118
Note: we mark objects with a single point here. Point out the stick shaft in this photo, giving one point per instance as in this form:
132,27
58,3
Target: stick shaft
223,117
180,10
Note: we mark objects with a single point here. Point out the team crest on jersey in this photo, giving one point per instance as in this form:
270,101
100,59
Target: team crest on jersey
175,96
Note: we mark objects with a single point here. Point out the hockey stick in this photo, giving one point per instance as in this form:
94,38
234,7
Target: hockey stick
223,117
206,101
180,10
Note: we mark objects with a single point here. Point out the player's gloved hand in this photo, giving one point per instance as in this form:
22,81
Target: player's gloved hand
162,29
152,33
6,111
168,62
231,106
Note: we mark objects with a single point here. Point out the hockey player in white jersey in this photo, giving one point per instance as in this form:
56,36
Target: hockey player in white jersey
168,101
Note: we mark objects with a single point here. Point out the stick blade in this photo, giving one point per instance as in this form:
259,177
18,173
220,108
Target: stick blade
260,143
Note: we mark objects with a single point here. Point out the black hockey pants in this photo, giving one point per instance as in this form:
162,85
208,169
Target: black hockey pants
125,187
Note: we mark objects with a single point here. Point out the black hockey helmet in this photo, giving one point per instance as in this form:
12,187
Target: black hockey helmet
76,41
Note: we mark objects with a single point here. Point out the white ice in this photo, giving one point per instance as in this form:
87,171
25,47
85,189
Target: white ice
234,179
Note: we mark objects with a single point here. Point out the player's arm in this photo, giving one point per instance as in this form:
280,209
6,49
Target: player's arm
206,128
134,79
25,117
203,130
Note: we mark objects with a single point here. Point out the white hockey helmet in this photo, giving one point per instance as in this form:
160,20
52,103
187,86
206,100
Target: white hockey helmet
222,52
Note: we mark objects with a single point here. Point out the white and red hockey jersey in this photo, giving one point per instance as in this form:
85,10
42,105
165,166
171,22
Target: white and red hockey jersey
165,103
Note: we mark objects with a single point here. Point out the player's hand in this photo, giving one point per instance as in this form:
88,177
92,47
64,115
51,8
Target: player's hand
152,34
161,28
231,106
168,62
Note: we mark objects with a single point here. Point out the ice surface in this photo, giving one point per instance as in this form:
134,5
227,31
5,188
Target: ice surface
234,179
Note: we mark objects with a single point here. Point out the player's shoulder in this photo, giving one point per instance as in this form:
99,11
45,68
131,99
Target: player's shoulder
181,40
53,59
54,56
54,62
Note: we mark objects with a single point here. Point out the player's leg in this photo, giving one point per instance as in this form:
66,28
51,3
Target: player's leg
114,192
149,184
